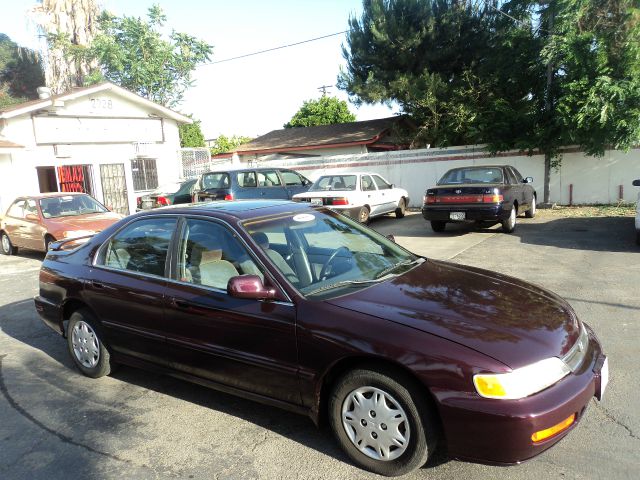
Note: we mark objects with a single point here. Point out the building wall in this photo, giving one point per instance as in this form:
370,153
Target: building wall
102,139
594,180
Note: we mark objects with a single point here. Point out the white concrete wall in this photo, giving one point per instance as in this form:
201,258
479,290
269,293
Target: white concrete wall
594,180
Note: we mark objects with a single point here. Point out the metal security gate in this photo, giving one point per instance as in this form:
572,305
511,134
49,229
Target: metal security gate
114,187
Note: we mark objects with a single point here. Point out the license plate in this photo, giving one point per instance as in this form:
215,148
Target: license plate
316,201
457,215
604,378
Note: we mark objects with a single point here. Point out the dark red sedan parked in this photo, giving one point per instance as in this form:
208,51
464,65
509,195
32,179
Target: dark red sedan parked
305,309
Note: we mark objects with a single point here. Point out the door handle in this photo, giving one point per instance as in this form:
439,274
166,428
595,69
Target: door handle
97,285
180,304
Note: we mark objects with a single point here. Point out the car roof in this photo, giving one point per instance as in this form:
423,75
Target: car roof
38,196
240,209
241,170
481,166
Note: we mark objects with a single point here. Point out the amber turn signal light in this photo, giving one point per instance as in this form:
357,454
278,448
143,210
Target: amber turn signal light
551,431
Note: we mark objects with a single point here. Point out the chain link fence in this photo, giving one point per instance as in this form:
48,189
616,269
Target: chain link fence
196,161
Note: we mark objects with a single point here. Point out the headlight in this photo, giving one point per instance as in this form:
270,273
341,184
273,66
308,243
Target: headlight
521,382
78,233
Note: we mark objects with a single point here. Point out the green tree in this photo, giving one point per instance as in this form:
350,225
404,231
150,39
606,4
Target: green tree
224,144
323,111
20,73
134,54
191,135
515,74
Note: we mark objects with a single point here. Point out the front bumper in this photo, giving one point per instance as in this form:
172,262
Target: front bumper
473,213
499,431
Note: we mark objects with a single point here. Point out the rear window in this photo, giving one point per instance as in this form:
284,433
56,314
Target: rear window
334,182
216,180
472,175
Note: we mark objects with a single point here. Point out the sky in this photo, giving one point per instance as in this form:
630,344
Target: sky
253,95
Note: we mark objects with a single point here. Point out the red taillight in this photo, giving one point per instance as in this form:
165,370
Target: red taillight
430,199
228,196
339,201
163,201
492,198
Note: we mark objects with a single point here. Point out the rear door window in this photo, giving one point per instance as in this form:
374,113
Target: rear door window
269,178
17,209
367,184
247,179
141,246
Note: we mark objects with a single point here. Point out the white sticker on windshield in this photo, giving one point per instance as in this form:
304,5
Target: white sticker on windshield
303,217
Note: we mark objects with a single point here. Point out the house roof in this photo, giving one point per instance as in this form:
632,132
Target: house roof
38,104
322,136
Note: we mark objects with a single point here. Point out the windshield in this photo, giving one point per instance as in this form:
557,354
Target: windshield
472,175
215,180
69,206
324,254
334,182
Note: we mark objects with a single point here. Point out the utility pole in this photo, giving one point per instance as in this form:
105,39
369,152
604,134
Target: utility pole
324,88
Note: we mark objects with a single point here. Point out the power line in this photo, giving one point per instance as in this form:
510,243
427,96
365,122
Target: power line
275,48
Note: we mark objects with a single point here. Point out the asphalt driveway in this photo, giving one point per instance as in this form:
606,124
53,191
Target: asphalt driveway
55,423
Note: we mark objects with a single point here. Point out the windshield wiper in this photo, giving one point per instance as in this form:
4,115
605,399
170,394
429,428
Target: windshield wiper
344,283
401,264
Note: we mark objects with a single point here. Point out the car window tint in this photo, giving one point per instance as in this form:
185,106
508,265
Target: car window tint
141,246
215,180
517,174
381,183
290,178
268,178
334,182
472,175
185,188
367,183
247,179
30,207
17,209
210,255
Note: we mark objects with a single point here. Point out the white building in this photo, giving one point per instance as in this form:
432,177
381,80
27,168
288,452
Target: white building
102,140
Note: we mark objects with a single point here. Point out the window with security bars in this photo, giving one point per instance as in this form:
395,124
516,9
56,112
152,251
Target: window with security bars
145,174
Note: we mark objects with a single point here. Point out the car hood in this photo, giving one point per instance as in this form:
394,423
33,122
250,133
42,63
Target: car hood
92,221
507,319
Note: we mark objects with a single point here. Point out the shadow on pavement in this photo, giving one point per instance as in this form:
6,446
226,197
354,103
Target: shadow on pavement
601,234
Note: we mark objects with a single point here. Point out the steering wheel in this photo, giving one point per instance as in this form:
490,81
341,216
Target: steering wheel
334,254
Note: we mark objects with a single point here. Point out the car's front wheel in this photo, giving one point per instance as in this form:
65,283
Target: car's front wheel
532,209
86,345
402,208
6,247
383,424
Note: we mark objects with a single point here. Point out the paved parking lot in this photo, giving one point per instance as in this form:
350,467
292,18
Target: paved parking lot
55,423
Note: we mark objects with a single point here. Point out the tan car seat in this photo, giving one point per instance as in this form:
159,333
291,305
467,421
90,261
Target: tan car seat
215,272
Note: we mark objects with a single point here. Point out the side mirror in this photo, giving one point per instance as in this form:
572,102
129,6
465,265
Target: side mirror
528,180
636,183
250,286
32,217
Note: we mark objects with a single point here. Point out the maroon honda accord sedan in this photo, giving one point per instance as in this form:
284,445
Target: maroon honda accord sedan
305,309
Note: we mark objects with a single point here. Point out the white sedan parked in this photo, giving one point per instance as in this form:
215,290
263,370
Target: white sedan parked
359,195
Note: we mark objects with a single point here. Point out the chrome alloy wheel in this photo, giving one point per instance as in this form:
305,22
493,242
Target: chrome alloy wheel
375,423
85,344
6,244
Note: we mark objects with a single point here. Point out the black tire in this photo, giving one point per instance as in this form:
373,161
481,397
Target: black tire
47,241
363,215
402,208
438,225
509,225
533,208
6,247
86,346
419,424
